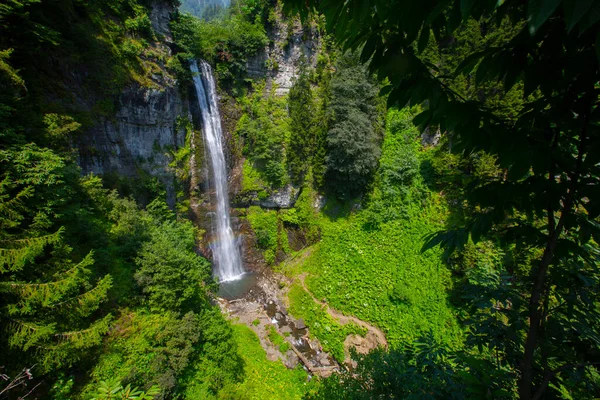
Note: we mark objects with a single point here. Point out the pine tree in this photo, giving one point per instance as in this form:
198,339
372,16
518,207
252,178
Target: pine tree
47,299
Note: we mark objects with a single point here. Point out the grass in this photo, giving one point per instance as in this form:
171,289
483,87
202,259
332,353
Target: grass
265,379
361,272
377,272
278,340
330,333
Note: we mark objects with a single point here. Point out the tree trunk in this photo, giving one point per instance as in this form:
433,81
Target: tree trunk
536,300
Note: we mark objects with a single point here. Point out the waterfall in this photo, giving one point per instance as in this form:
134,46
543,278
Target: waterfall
226,254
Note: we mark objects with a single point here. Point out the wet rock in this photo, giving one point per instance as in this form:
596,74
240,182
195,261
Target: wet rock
300,324
319,202
281,307
324,360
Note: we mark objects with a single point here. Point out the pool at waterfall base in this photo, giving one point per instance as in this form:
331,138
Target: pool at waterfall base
237,287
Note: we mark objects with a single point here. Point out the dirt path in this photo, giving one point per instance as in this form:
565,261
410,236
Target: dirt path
374,337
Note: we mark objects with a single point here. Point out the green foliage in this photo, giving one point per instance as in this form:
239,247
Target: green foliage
330,333
48,293
265,133
424,370
170,274
220,365
147,349
399,167
278,340
265,379
353,139
303,216
251,179
228,41
266,228
301,110
380,275
114,390
140,23
545,200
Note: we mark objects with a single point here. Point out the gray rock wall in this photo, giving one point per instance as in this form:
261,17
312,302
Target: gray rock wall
137,140
279,61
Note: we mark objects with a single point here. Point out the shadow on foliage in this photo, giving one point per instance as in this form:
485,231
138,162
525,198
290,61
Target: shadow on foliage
424,370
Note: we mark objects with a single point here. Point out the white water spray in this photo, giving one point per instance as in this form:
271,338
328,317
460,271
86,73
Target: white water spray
226,254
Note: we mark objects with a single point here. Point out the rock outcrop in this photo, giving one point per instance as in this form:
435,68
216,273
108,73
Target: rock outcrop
284,197
279,61
139,137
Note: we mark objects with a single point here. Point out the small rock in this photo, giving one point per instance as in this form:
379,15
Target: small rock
324,360
279,315
291,359
300,324
281,307
286,329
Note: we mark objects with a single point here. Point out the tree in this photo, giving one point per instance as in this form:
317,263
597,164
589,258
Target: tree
353,139
301,109
547,201
48,296
170,273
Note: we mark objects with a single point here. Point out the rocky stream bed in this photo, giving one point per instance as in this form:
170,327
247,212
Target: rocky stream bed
260,301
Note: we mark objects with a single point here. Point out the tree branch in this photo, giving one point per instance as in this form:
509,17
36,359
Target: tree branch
535,313
557,371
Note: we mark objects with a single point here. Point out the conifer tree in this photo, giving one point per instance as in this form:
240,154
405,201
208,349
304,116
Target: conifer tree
353,139
47,298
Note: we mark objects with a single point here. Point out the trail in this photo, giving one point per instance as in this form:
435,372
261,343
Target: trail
374,338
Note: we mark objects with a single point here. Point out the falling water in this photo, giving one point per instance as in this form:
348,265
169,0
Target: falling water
225,250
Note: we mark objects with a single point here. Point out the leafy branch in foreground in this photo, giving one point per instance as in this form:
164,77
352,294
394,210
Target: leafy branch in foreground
546,203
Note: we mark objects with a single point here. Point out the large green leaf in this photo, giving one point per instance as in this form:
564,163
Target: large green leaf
538,11
574,11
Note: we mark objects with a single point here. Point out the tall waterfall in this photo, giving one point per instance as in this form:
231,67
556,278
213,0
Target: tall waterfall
226,253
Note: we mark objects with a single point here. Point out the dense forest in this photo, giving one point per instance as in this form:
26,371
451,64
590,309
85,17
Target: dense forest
413,188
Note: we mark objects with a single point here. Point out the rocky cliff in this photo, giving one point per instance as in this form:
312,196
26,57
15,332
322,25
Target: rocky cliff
145,128
289,44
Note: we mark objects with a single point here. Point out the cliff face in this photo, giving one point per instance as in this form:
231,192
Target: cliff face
139,137
137,140
279,61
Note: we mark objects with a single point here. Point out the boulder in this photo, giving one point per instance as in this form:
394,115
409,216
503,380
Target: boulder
285,197
300,324
286,329
290,359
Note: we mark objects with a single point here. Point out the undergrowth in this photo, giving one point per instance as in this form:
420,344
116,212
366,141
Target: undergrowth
370,265
265,379
330,333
